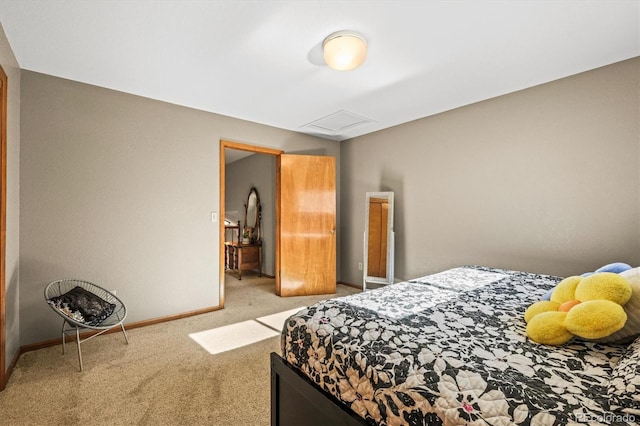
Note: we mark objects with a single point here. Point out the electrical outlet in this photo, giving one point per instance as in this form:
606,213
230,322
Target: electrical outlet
359,266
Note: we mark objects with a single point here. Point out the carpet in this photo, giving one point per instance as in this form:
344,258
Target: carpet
276,321
233,336
162,377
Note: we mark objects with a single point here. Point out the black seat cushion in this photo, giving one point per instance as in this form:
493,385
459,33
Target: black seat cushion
83,306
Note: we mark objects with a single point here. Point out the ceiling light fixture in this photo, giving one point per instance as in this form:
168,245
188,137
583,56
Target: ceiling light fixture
344,50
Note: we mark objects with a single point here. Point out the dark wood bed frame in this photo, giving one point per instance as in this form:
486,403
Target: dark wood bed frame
297,401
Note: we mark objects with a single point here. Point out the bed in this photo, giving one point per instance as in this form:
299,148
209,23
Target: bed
448,348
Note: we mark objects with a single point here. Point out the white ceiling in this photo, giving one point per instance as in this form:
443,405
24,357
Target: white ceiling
262,61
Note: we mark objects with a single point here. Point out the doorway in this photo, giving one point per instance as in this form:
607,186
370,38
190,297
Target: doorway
250,149
305,221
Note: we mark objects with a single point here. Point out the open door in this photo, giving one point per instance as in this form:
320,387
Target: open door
306,226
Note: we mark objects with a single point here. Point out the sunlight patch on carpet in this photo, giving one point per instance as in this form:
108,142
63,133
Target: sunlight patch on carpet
232,336
276,321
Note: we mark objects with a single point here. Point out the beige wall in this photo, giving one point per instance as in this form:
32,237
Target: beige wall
118,190
544,180
10,67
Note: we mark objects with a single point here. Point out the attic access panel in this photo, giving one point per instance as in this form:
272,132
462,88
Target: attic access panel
338,122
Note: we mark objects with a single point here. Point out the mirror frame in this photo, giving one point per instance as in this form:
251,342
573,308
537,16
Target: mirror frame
366,278
255,233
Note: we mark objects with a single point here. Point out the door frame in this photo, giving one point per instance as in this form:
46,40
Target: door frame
258,150
3,224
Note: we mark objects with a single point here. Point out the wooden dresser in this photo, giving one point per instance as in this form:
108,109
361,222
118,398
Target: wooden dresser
244,257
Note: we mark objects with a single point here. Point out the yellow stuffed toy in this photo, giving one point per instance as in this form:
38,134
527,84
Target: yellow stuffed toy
588,307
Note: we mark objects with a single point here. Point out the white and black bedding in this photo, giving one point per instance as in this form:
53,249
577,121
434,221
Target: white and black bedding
451,349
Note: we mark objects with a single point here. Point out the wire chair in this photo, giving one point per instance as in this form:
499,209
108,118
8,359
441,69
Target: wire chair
73,323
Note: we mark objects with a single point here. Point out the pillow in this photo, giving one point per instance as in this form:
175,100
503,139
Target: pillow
616,268
83,306
631,329
624,384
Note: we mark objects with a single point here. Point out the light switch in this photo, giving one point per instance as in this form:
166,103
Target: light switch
214,217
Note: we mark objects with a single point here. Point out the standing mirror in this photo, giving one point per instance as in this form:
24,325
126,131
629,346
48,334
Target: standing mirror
252,213
378,239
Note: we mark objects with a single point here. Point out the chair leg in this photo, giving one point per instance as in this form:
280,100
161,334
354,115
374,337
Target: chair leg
79,351
125,333
64,336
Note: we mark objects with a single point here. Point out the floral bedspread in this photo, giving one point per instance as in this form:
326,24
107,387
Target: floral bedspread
450,349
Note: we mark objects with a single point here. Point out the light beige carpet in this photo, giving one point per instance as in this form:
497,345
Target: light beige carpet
163,377
276,321
232,336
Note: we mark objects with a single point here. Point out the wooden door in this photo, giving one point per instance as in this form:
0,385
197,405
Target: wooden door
307,226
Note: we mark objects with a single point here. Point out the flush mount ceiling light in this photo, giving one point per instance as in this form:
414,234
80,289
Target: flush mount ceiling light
344,50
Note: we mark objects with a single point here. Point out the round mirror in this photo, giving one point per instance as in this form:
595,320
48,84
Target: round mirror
252,216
